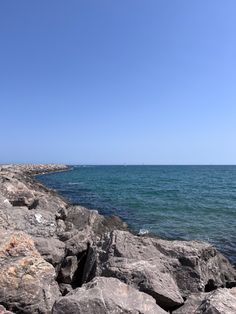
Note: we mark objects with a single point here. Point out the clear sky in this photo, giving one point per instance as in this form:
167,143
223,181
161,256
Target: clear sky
113,82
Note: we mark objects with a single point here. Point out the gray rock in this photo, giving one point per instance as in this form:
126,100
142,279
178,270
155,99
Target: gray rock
65,288
97,224
68,269
167,270
192,303
220,301
52,250
27,281
36,223
20,189
106,295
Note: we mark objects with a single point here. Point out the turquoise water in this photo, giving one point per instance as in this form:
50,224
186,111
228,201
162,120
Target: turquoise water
176,202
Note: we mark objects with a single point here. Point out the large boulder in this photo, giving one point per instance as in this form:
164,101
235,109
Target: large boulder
106,295
167,270
82,217
27,281
220,301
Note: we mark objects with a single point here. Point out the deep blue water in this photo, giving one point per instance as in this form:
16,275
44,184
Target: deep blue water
177,202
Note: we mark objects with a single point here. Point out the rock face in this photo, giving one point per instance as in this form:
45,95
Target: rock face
167,270
106,295
45,243
27,282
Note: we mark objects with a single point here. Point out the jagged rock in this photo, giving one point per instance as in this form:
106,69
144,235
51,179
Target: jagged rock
27,281
106,295
167,270
97,224
220,301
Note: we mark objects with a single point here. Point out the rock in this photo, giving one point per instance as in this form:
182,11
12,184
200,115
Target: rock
20,189
65,288
167,270
220,301
52,250
106,295
192,303
68,269
37,224
97,224
27,281
200,266
4,311
79,242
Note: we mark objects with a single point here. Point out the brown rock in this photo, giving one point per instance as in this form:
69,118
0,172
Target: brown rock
27,282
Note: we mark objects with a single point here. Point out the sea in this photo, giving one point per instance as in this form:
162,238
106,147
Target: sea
171,202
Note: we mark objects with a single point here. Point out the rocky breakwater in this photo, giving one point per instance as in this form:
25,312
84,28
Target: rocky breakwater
57,258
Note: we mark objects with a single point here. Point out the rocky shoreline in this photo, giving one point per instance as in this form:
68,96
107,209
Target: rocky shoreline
58,258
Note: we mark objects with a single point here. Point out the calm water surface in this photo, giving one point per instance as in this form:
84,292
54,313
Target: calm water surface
176,202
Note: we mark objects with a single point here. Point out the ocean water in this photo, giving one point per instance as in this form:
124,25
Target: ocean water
173,202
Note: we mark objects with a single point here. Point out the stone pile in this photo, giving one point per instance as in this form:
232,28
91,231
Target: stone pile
57,258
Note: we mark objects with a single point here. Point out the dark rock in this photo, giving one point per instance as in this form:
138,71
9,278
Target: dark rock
27,281
65,288
97,224
106,295
68,269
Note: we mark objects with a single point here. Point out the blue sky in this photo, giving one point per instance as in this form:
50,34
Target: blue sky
113,82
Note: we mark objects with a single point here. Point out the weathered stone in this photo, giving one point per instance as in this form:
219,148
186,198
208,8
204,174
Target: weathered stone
52,250
27,281
97,224
220,301
36,223
167,270
106,295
